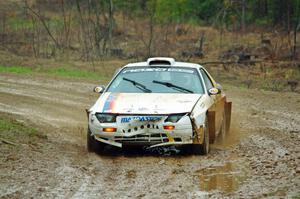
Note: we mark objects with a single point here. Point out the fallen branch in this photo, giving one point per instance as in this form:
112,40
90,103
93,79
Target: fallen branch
8,142
231,62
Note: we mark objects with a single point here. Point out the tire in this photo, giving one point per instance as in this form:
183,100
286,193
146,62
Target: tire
203,149
92,144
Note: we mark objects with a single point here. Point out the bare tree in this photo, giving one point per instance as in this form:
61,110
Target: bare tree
67,25
42,20
151,9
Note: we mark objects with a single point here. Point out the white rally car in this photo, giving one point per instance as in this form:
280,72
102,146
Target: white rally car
159,102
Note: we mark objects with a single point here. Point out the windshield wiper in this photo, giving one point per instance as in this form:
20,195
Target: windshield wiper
138,85
168,84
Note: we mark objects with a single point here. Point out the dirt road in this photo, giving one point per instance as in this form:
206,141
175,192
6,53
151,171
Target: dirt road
260,158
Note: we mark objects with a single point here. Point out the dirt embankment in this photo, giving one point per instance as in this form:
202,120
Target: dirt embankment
260,157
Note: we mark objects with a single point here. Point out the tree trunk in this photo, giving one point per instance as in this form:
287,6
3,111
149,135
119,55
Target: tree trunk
111,21
83,30
244,4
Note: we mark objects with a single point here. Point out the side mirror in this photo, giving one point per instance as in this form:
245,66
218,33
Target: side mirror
213,91
99,89
219,87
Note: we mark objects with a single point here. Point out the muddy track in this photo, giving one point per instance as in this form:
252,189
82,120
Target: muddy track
259,158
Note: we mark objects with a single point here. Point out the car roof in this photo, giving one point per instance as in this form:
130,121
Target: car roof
171,63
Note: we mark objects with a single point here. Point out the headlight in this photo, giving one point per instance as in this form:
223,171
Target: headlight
106,118
174,117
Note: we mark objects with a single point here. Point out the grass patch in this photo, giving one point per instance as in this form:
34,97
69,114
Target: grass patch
16,24
8,125
16,131
297,196
57,71
15,69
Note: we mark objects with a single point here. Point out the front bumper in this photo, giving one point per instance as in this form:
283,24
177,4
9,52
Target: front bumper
143,133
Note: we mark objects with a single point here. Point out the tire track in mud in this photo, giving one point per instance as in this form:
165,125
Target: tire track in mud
241,166
53,113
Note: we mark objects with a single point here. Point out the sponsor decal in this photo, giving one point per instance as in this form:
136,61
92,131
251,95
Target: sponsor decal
179,70
141,119
110,103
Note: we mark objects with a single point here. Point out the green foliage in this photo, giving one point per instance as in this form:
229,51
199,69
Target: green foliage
262,22
56,22
130,7
16,24
166,11
260,12
175,11
206,10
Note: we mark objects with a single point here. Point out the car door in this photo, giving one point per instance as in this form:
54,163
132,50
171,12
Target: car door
218,105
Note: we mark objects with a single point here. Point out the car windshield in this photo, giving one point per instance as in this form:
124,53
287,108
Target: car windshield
157,80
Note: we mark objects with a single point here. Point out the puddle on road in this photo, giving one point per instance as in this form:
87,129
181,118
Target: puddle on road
224,178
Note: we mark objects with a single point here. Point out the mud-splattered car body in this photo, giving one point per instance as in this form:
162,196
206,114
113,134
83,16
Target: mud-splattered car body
159,113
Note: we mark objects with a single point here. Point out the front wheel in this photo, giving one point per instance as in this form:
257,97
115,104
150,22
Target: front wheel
203,149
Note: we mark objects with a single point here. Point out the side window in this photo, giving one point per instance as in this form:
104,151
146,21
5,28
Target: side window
207,80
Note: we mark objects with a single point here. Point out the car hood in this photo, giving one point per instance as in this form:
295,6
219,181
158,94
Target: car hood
145,103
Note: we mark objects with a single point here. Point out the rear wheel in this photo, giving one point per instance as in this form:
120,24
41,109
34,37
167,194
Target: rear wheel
92,144
203,149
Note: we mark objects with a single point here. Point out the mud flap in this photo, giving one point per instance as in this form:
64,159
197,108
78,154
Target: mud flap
228,106
199,135
211,126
